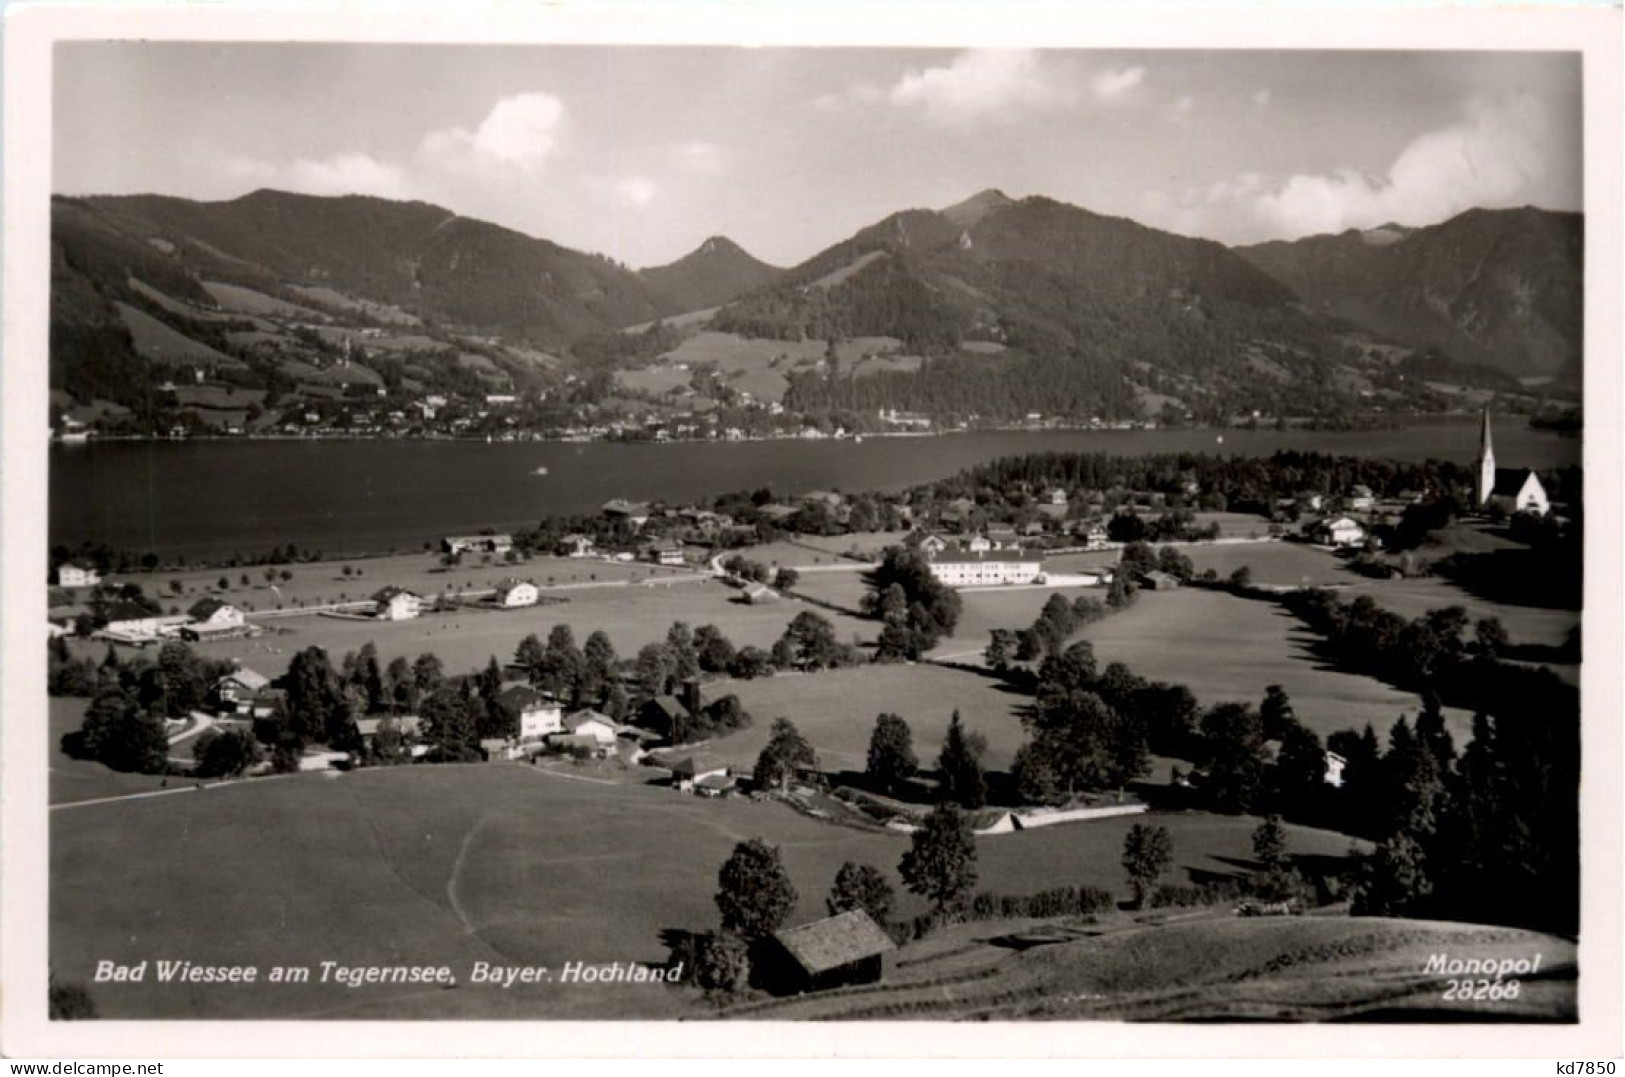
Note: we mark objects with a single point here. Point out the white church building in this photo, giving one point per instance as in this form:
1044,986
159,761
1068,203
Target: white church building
1508,489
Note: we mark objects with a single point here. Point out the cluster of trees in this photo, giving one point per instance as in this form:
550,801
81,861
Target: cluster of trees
917,608
1245,484
1175,525
123,727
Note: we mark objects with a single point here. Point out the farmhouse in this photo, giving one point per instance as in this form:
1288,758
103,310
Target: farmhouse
576,545
397,604
667,553
130,623
758,593
213,619
635,513
407,725
663,715
512,594
1339,531
539,714
960,566
839,951
928,543
77,574
687,773
457,544
1157,580
239,689
1360,498
1332,775
591,725
1056,496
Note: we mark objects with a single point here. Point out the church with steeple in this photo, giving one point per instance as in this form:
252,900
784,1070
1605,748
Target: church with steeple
1508,489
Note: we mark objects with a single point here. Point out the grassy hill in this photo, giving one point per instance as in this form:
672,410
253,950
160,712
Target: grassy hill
454,864
1211,969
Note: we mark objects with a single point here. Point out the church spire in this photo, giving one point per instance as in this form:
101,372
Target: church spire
1486,460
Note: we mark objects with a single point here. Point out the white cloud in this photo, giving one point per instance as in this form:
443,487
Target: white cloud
1494,156
1113,85
637,191
341,173
520,131
976,85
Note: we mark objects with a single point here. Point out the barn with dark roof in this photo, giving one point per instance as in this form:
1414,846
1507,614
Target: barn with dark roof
838,951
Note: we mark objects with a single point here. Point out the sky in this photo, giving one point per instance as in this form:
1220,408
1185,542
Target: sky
641,153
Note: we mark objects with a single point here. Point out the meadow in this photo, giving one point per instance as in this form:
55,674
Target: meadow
1227,649
836,711
455,864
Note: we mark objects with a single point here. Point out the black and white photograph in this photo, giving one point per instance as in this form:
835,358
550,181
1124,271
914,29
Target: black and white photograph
733,531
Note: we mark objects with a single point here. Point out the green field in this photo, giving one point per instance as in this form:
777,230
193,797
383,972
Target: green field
1215,969
235,297
1226,648
836,711
158,343
455,864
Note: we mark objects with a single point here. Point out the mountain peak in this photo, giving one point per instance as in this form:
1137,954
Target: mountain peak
979,205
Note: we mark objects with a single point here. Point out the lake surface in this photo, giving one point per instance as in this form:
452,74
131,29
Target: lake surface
217,498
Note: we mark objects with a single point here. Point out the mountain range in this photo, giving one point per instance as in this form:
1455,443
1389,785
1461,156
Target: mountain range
1107,312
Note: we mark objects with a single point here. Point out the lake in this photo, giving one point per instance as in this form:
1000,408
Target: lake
211,499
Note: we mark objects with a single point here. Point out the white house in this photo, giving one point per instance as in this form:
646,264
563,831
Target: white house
458,544
75,574
1339,531
129,623
959,566
587,729
238,690
670,553
211,618
1360,498
397,604
689,772
512,594
1056,496
1334,769
576,545
539,715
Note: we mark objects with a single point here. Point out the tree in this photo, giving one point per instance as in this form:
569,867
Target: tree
1148,851
891,752
685,660
928,607
1276,712
563,663
1121,592
786,579
861,886
716,653
598,665
1491,637
451,723
1241,579
750,663
529,656
960,766
810,641
119,734
754,892
940,864
786,749
428,673
1001,650
654,668
1269,844
1036,782
1233,741
225,755
721,963
1392,879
